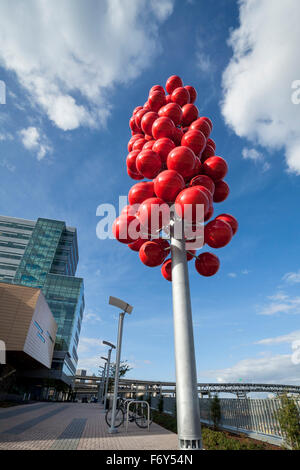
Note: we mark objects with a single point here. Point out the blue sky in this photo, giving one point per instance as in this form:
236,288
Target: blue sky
73,75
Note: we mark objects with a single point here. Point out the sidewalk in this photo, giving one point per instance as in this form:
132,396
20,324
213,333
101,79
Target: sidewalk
71,426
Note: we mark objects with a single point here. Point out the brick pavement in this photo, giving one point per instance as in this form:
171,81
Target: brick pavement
71,426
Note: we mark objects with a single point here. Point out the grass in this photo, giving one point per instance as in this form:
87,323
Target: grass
215,440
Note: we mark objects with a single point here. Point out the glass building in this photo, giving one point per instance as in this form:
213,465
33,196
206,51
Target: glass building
44,254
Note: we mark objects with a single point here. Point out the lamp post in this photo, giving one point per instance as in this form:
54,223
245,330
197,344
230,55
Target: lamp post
111,347
126,308
101,382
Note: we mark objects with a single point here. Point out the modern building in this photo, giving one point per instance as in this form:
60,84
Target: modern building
27,327
44,255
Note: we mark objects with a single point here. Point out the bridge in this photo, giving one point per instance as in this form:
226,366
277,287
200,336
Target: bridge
88,386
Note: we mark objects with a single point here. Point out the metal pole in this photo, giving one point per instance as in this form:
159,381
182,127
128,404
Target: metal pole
188,410
100,388
112,429
103,383
107,378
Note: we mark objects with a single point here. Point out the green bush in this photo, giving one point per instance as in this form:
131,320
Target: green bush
212,440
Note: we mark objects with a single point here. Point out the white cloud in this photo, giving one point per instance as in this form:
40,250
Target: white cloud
292,278
5,136
289,338
233,275
91,317
257,157
267,369
281,303
69,55
90,344
5,164
258,80
203,62
32,139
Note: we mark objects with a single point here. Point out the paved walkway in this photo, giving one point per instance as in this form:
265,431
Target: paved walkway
74,426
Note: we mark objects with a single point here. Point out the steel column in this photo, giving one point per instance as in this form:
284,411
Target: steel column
188,411
112,429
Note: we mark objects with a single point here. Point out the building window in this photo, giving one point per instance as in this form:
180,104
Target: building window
41,337
38,326
50,337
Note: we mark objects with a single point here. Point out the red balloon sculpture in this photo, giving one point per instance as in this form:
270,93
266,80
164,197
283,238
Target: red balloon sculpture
171,146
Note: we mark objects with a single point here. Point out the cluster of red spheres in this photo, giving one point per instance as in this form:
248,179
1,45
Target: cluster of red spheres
172,148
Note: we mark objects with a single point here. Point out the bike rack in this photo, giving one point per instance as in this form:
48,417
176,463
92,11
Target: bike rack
135,402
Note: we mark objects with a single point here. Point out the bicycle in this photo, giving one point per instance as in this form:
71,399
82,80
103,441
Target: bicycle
139,415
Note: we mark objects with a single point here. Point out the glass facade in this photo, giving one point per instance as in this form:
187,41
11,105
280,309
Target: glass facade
48,259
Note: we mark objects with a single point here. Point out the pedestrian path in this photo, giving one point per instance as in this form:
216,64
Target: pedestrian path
74,426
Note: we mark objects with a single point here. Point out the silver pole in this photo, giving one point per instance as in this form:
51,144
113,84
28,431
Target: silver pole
187,401
112,429
107,378
103,383
100,389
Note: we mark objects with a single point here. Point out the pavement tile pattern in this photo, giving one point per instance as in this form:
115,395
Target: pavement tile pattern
74,426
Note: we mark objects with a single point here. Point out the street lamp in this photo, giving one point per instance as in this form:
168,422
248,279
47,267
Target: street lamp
104,377
111,347
101,382
126,309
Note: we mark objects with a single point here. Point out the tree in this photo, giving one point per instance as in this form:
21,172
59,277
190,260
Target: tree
123,369
215,410
289,420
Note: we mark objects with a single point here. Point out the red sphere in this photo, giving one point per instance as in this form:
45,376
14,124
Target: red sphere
151,254
163,127
203,180
139,144
173,82
215,167
172,111
189,254
130,210
207,264
163,243
136,110
134,176
207,192
133,125
131,162
221,192
195,140
217,233
153,214
138,117
163,147
183,160
168,184
147,106
168,99
192,93
166,270
208,152
177,135
156,88
189,114
202,125
187,201
133,139
180,96
209,214
147,122
212,143
148,163
135,246
156,100
230,220
125,228
140,192
149,144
